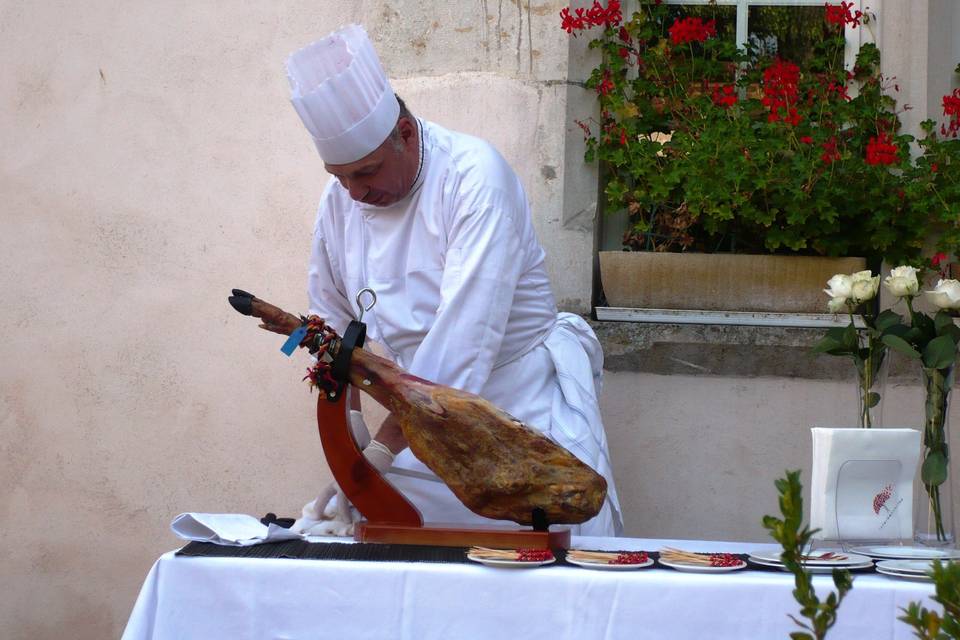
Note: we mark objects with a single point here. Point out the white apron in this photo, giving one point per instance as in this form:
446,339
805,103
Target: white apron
561,383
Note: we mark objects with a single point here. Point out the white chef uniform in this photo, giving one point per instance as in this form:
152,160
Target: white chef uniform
463,300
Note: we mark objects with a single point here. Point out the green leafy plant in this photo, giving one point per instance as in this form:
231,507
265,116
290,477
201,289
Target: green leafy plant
794,538
930,625
709,147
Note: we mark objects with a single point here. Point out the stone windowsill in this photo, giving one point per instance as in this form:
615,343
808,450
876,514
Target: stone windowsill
729,350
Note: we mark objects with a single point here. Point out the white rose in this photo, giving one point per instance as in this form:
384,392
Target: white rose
868,277
904,271
836,305
946,295
902,282
839,286
864,289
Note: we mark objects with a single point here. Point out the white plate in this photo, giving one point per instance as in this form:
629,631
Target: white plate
700,568
609,567
511,564
896,552
815,568
919,567
905,576
849,560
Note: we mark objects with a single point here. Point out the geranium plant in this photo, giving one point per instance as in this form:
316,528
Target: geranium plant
710,147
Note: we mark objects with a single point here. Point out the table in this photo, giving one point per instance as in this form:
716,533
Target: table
240,598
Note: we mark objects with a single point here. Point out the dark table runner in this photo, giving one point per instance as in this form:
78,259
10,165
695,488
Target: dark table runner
303,550
376,552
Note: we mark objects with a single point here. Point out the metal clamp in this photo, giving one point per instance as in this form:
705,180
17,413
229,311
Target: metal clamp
353,338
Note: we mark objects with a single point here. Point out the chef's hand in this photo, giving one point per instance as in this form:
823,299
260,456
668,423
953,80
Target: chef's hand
340,509
330,513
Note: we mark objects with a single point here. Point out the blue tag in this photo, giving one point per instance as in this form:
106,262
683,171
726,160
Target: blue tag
294,340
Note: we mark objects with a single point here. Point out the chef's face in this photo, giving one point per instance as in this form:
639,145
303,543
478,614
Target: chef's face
386,175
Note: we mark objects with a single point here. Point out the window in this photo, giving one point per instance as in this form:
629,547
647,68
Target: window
791,28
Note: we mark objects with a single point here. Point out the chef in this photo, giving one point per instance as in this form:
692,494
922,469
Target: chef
438,225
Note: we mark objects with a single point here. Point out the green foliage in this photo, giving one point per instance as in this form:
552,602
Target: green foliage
934,343
930,625
693,150
867,348
794,538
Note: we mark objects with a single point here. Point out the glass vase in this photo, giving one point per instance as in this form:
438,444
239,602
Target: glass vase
871,387
933,504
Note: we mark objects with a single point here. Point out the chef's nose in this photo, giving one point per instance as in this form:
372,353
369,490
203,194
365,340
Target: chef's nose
358,190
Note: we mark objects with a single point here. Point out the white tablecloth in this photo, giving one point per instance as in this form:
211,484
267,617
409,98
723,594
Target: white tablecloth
238,598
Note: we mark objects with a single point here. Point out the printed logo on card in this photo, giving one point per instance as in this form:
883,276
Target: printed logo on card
882,506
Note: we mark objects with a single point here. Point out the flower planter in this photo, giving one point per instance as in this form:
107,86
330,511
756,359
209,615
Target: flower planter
719,281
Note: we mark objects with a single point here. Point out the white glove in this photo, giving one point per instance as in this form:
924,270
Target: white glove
330,513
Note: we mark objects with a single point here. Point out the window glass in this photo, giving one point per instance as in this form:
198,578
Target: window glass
799,34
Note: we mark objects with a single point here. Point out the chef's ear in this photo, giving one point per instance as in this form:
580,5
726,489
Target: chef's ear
406,129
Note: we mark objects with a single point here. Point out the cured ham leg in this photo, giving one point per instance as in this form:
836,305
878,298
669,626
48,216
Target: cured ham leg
496,465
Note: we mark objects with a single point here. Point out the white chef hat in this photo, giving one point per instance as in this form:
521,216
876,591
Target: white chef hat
341,93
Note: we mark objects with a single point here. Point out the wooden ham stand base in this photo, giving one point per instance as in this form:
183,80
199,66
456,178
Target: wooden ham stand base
457,536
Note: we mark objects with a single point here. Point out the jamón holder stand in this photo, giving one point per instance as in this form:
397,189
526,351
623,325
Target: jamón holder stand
389,516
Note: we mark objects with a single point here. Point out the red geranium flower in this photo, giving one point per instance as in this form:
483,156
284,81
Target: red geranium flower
839,89
780,82
725,96
806,139
881,150
830,153
686,30
606,84
951,109
595,16
842,15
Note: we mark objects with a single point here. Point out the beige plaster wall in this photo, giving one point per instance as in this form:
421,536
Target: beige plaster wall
699,454
150,162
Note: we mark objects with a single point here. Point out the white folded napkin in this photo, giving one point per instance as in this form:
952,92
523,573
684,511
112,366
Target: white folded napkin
229,529
861,485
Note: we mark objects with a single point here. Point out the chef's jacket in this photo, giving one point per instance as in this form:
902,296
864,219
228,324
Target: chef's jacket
463,299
